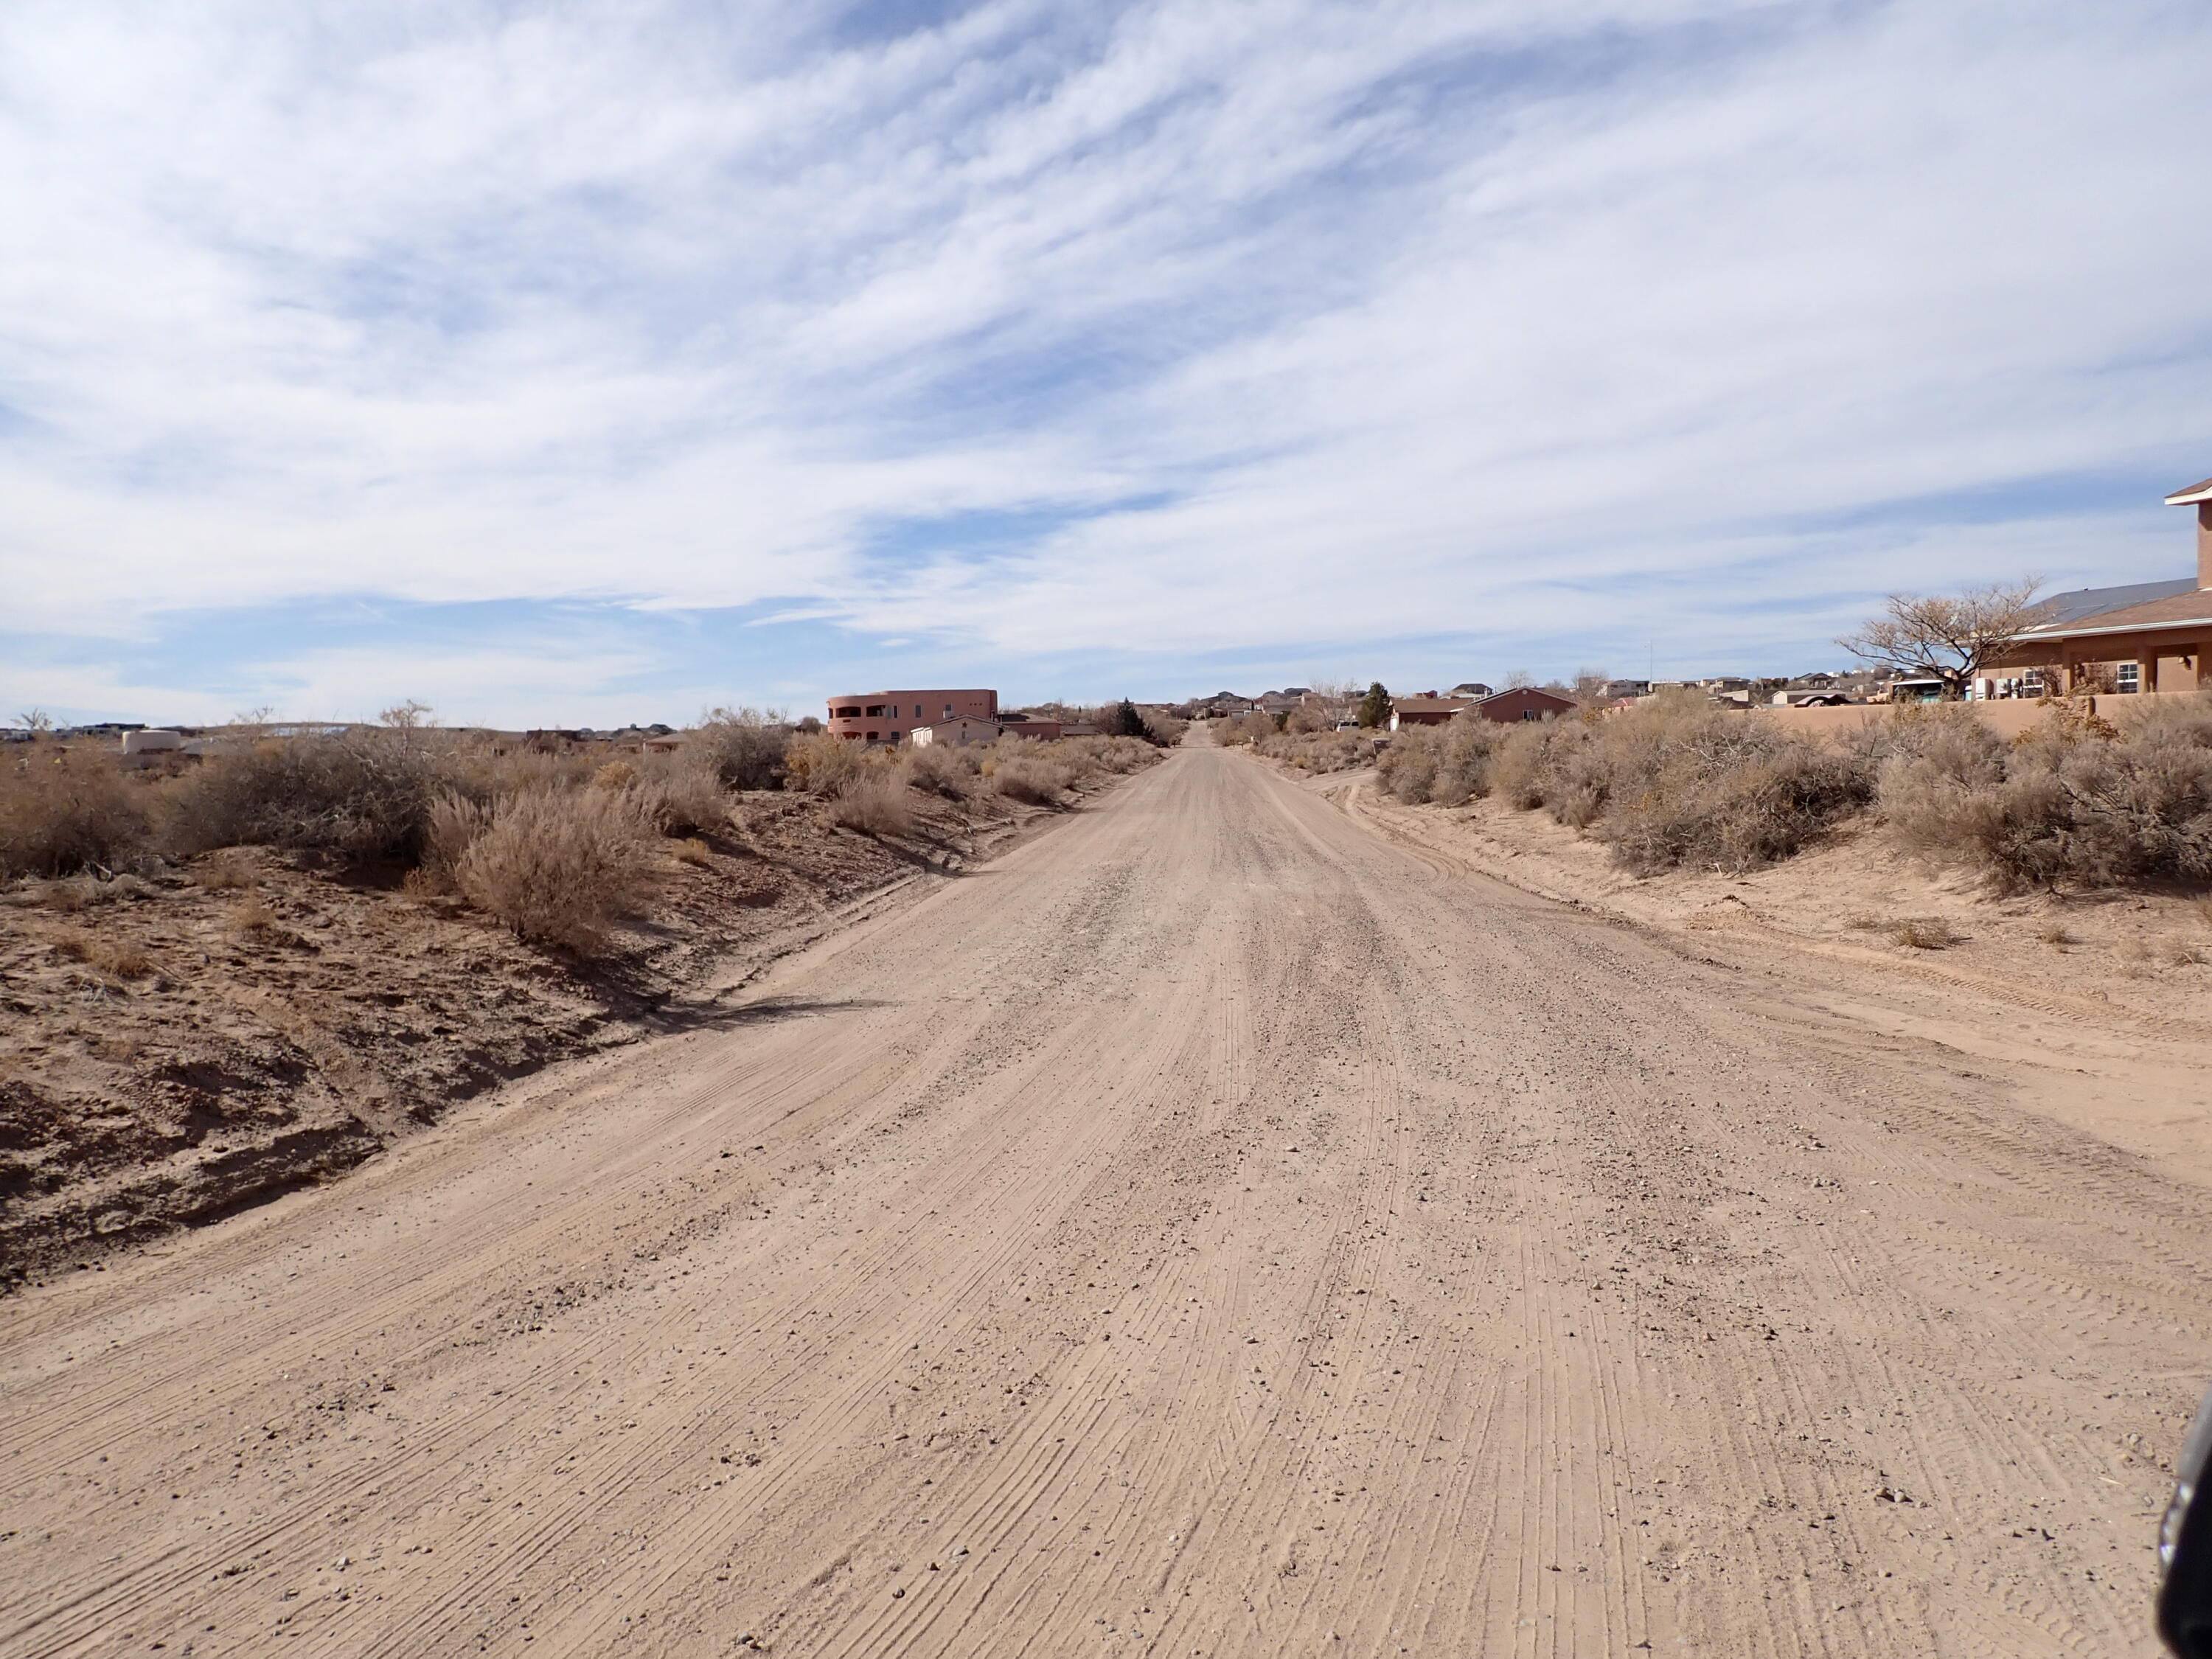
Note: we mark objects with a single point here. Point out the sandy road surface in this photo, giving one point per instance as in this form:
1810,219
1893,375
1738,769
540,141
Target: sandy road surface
1214,1228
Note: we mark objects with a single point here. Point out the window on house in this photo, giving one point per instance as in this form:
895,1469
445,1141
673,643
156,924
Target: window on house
948,711
2128,677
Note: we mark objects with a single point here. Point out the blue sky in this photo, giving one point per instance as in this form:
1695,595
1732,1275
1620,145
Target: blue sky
595,362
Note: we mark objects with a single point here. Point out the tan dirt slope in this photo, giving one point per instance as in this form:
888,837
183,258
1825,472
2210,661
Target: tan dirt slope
1214,1228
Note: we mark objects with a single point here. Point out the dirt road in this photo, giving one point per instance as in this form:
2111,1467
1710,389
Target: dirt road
1214,1228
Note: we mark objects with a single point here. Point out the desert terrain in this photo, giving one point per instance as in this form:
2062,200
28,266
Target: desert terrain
1233,1223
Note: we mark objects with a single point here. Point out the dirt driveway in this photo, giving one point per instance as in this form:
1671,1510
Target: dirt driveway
1214,1228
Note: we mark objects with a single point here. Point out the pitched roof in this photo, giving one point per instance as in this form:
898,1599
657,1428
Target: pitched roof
2085,602
1430,705
1529,691
2199,491
2191,606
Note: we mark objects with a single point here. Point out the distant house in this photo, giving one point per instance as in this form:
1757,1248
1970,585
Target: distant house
2147,636
1473,690
1616,690
887,716
1430,710
1523,702
959,732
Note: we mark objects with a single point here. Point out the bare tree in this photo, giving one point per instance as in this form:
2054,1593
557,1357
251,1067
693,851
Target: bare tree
1590,686
1516,678
35,720
408,716
1949,637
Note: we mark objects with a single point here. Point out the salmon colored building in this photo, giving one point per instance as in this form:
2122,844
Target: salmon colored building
891,716
2146,643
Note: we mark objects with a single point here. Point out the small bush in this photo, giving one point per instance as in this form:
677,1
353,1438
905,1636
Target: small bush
224,872
1318,751
615,775
119,959
823,765
740,748
694,852
558,868
681,801
1039,781
876,804
1925,933
941,770
73,812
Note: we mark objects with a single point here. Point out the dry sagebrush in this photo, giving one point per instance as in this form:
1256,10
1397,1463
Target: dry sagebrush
556,868
64,812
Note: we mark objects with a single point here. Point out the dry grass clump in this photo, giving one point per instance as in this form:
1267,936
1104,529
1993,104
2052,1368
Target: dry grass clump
251,918
60,813
1924,933
2056,934
615,775
875,804
941,770
2076,800
557,868
694,852
225,872
361,795
117,959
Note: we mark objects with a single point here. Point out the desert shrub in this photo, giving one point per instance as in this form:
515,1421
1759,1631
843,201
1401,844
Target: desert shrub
558,867
823,765
1034,778
360,795
1163,728
615,775
1244,729
740,748
941,770
875,803
1523,764
2075,800
72,812
1317,752
1731,807
1924,933
694,852
681,800
1407,769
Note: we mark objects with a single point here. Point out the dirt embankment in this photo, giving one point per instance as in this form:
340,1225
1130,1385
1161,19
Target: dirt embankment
177,1048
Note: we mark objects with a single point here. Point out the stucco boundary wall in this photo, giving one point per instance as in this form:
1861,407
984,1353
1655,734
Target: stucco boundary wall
2008,718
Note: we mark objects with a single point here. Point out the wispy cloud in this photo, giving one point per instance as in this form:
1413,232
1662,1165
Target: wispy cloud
1119,338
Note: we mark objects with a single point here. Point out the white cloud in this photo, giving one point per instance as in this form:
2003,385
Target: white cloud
1395,320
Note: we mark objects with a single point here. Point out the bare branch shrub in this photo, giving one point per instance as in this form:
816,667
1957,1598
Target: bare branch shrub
559,868
71,811
360,795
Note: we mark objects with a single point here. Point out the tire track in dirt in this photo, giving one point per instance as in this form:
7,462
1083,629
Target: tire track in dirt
1211,1227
